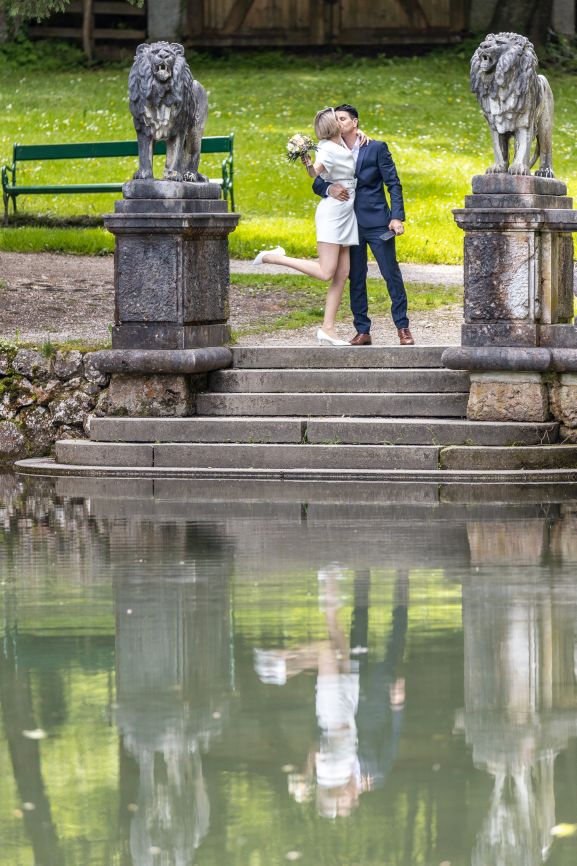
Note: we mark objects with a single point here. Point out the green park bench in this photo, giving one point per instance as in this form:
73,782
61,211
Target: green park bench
100,150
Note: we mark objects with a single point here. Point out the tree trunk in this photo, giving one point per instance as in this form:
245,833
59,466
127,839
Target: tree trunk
532,19
17,716
87,28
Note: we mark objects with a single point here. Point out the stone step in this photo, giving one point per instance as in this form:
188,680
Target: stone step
197,429
327,357
77,452
299,456
447,405
80,452
348,431
433,431
339,380
524,457
228,456
490,485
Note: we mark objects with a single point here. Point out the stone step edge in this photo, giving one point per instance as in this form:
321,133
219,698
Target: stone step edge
209,393
247,429
49,468
230,371
323,358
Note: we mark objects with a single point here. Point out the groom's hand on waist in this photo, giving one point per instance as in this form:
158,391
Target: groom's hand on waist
338,191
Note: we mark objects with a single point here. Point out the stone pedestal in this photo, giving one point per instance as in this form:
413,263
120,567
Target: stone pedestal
520,384
564,403
171,266
508,396
518,268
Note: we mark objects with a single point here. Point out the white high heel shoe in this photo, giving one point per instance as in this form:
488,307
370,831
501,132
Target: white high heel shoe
327,340
278,251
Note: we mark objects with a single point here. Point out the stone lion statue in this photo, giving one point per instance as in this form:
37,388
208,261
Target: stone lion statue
516,101
167,104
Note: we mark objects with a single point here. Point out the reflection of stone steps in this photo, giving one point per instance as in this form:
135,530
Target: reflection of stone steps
323,413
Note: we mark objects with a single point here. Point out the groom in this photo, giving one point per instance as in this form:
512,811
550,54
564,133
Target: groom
374,166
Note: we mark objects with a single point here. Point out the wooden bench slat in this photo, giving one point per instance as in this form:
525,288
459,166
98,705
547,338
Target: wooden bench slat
75,187
101,150
105,149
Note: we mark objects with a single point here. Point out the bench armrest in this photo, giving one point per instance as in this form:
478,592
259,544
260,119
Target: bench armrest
5,170
227,180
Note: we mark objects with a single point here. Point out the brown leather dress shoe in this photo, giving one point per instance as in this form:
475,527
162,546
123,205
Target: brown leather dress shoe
361,340
405,337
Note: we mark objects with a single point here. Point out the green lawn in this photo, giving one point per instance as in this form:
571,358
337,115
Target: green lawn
304,299
421,106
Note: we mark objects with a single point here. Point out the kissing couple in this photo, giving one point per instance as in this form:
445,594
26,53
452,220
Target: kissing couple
350,172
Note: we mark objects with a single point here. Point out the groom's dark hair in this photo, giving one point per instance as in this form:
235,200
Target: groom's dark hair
350,109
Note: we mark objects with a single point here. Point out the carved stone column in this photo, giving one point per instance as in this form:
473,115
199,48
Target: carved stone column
518,269
171,265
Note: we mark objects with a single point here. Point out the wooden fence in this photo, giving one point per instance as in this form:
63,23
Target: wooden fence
323,22
101,24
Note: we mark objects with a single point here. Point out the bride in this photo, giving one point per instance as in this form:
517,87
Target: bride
336,223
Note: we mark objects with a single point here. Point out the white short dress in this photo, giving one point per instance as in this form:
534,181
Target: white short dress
335,220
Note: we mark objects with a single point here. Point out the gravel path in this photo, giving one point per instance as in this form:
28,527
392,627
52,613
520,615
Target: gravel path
63,297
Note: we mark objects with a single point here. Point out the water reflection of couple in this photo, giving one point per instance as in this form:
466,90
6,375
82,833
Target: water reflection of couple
353,213
359,702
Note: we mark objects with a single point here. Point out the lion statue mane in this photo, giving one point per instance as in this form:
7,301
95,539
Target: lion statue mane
167,104
516,101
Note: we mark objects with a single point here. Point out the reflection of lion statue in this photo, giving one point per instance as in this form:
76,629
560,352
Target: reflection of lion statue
167,104
516,102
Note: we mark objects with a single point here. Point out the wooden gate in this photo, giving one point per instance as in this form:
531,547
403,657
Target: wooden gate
323,22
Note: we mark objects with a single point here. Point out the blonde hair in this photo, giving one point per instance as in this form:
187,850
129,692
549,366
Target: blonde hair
326,125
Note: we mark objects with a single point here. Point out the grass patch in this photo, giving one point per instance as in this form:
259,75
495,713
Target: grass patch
421,106
302,301
78,241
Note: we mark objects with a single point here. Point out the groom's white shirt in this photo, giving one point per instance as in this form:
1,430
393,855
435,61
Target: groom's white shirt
355,149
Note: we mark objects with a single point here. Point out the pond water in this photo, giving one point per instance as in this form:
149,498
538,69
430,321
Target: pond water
252,677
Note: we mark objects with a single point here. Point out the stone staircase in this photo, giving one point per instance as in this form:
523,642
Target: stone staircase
378,413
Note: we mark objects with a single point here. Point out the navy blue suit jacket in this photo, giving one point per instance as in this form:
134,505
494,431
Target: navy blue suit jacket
375,167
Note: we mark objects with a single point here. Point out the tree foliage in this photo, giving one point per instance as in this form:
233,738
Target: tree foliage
533,19
43,8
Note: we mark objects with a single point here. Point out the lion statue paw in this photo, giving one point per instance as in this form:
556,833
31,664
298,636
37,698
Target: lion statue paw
544,172
195,177
518,169
496,169
142,174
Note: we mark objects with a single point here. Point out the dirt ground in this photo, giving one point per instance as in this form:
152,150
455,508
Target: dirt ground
62,297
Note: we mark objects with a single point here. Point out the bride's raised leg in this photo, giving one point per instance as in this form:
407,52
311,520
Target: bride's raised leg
335,291
324,269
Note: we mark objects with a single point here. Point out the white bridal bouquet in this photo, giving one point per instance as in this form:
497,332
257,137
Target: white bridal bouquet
298,146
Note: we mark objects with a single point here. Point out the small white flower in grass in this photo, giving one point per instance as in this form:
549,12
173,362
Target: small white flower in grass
36,734
293,855
288,768
28,807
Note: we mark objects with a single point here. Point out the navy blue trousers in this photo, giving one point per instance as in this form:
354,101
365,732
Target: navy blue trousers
385,254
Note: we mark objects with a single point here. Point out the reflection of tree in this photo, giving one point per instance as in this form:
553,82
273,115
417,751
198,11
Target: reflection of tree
520,693
18,716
